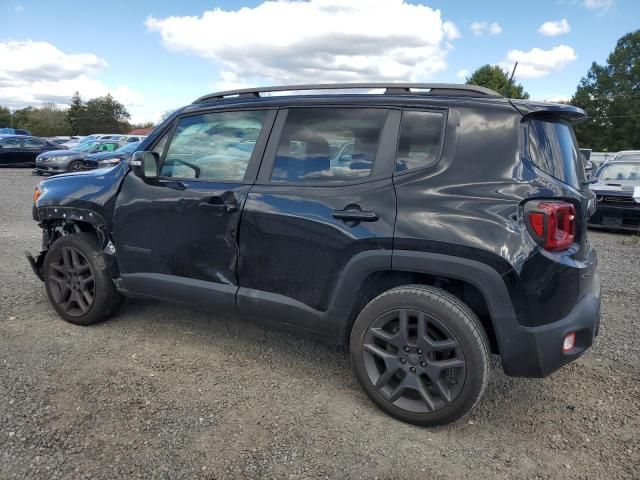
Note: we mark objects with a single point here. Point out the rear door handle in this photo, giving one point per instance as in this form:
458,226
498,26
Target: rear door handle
356,216
219,207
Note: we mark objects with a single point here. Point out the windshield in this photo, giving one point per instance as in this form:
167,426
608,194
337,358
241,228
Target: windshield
85,147
128,148
628,156
621,171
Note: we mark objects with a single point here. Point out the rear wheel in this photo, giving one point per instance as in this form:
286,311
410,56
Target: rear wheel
78,282
76,166
420,354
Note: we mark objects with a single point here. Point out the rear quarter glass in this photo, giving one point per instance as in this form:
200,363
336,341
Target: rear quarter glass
553,148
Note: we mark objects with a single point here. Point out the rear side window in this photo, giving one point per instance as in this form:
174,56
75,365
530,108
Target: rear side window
554,150
420,140
328,144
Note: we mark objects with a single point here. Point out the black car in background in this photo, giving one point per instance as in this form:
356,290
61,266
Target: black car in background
618,195
22,150
109,159
72,160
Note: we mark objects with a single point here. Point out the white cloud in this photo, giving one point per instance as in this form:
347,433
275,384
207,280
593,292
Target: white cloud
314,41
463,74
554,28
451,30
482,28
601,5
537,62
32,73
18,8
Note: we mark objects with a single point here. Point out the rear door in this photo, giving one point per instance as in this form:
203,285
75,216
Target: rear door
324,195
176,235
10,151
32,147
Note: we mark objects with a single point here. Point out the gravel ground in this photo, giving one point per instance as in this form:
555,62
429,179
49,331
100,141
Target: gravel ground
164,392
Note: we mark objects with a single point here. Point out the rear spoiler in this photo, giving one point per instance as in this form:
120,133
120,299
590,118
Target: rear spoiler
542,109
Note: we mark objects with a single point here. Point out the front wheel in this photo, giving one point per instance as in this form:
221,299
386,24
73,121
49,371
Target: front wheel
420,354
78,282
76,166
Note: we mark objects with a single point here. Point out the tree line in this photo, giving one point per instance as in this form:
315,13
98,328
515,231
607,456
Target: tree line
97,115
609,93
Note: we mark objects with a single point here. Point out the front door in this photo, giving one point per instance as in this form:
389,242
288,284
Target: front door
324,195
176,235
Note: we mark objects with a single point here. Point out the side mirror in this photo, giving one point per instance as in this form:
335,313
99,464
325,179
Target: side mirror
145,164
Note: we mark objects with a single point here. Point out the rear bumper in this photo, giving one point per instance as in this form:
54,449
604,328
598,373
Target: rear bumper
537,351
616,217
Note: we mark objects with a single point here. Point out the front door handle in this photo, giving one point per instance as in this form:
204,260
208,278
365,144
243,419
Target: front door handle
356,216
219,207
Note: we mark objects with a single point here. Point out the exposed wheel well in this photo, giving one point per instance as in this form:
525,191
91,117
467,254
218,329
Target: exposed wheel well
56,228
379,282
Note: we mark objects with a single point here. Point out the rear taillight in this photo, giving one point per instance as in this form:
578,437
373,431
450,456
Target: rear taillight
552,224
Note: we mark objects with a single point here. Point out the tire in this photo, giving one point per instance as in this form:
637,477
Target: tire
78,282
433,374
76,166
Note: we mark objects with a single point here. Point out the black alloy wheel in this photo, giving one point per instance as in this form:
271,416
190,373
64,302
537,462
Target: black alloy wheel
71,281
414,360
421,354
78,281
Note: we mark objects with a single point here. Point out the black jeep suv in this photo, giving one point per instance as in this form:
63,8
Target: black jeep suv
425,227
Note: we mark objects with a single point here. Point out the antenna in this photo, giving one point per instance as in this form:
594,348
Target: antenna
513,72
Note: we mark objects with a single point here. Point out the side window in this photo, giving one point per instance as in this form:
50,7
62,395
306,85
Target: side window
33,143
420,139
10,142
553,149
328,144
213,146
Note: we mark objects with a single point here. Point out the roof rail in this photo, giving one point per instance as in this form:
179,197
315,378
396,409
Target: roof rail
390,89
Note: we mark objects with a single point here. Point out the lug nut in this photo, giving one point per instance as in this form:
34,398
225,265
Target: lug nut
406,349
403,360
413,369
419,351
423,364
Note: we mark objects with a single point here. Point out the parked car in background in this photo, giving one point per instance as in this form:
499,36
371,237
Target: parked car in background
72,160
599,158
633,155
618,194
134,138
15,131
108,159
96,136
21,150
61,139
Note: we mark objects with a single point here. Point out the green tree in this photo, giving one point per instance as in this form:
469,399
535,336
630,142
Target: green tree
104,114
493,77
5,117
75,113
610,94
45,121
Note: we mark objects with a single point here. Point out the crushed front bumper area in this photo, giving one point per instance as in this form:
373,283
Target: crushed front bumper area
37,263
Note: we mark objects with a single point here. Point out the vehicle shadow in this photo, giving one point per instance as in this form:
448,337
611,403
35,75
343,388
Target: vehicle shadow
299,359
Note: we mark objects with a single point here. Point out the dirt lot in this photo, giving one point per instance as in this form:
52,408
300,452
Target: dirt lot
163,392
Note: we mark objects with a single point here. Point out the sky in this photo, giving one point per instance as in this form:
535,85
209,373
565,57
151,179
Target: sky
157,55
